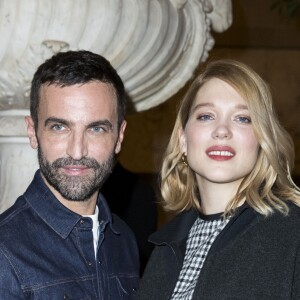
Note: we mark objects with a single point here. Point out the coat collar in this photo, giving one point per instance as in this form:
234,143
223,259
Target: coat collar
177,229
54,213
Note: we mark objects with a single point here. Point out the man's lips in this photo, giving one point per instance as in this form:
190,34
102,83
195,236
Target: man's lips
75,170
220,153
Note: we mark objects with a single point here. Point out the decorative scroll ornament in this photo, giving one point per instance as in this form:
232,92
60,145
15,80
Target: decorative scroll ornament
155,45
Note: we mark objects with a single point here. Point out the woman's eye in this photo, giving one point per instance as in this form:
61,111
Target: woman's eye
244,119
204,117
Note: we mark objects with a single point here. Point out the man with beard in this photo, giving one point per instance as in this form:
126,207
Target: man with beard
59,240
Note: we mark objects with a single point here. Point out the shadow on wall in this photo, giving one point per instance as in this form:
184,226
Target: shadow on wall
133,199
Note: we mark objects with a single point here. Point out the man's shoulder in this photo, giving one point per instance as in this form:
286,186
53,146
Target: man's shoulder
12,218
123,234
123,238
117,224
121,226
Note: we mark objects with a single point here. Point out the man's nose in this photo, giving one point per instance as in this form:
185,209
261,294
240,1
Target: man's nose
77,146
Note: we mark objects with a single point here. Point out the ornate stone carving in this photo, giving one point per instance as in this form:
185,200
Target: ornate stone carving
18,162
154,44
12,123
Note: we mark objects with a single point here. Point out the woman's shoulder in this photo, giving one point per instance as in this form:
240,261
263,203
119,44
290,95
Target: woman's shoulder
290,220
293,211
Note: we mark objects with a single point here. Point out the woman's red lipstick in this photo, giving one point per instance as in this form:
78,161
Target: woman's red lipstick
220,153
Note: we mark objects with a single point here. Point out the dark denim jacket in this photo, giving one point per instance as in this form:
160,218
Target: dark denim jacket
46,251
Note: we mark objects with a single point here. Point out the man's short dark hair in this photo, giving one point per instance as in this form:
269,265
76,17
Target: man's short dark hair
76,67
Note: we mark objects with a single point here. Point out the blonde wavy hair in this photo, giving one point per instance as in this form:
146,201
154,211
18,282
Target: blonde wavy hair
269,185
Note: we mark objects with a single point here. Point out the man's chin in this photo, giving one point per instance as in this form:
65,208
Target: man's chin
75,199
81,195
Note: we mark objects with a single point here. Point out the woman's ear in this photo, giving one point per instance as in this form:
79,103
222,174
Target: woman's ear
182,141
31,132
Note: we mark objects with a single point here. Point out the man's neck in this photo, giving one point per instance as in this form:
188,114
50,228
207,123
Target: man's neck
86,207
80,207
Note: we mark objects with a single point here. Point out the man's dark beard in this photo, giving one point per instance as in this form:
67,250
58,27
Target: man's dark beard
75,188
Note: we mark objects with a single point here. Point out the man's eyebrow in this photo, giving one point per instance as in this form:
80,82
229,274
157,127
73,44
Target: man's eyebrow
101,123
56,120
105,123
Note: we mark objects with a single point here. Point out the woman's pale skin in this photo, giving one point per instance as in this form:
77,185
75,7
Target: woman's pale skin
220,143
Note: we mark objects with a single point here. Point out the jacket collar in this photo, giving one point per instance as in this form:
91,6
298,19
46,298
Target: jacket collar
177,229
54,213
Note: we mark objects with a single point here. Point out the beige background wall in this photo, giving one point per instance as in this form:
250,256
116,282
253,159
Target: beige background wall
260,37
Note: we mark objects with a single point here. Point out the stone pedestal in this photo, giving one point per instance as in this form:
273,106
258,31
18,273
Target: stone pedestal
18,163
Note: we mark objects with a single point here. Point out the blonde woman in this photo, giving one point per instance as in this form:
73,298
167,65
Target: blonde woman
226,172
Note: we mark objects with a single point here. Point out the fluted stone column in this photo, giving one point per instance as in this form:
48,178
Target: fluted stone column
155,45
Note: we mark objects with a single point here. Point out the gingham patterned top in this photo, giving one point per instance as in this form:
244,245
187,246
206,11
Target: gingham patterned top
201,236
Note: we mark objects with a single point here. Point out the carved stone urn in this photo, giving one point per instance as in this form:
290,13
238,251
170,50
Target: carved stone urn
155,45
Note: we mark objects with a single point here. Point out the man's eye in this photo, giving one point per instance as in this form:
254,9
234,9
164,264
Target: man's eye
57,127
204,117
97,129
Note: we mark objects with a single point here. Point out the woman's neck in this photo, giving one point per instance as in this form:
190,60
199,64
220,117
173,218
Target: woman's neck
216,196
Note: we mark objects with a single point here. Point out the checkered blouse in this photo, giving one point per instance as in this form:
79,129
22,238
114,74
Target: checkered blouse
201,236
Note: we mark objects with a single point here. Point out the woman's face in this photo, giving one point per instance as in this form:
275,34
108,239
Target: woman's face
218,139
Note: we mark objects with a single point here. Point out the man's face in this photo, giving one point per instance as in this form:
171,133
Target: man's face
77,138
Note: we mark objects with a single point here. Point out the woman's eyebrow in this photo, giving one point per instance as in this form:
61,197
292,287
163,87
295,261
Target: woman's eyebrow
199,105
208,104
242,106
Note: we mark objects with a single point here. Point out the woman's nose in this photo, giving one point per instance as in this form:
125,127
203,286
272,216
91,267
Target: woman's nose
222,131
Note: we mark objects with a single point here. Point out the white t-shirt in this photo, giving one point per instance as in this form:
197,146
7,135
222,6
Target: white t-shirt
95,229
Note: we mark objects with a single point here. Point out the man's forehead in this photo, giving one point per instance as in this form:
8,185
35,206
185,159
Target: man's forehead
80,100
94,90
61,86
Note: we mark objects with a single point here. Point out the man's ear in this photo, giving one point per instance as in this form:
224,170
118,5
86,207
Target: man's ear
31,132
121,137
182,141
